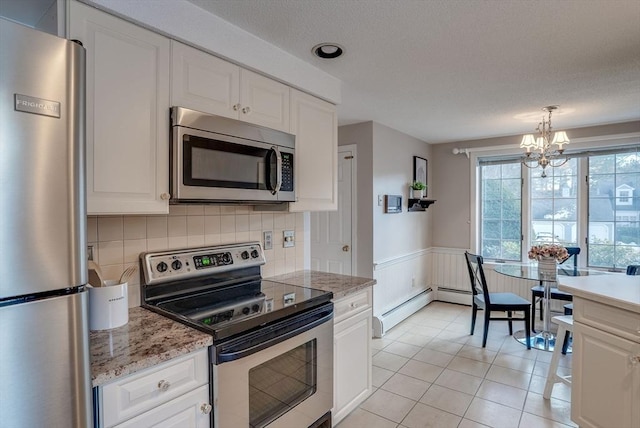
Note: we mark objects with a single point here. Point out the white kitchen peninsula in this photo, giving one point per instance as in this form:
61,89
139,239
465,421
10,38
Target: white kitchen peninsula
606,350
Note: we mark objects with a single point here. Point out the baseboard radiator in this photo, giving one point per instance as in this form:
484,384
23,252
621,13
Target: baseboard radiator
454,295
383,323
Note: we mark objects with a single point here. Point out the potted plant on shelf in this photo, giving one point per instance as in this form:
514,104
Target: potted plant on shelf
417,189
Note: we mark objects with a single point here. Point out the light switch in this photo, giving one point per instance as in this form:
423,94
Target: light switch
289,238
268,240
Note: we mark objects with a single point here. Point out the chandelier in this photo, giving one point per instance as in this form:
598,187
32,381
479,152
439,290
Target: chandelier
545,149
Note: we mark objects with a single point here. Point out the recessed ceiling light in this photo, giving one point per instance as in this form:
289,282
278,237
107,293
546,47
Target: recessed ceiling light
327,50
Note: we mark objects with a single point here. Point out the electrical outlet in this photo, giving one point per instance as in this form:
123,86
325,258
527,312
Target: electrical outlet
268,240
289,238
89,252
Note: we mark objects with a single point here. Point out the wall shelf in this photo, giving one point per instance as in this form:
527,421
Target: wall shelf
420,204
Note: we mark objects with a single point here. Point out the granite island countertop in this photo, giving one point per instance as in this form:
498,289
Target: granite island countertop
340,285
146,340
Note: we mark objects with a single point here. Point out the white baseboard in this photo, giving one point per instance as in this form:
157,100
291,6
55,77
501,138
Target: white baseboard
384,322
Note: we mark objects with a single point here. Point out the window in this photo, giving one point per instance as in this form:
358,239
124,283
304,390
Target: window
602,217
614,230
501,207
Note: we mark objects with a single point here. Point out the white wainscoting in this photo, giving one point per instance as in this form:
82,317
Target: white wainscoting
399,280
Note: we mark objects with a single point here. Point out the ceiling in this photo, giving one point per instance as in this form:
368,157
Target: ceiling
453,70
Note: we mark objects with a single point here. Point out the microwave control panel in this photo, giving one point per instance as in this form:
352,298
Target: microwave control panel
287,172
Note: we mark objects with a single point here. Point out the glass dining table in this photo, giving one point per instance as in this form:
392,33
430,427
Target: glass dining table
545,339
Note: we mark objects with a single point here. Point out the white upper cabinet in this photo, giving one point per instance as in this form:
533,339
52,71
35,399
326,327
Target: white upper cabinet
127,113
314,122
203,82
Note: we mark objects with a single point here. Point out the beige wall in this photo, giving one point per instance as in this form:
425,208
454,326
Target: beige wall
119,240
451,180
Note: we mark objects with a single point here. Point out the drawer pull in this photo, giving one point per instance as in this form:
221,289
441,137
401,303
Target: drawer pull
246,110
205,408
354,305
236,107
164,385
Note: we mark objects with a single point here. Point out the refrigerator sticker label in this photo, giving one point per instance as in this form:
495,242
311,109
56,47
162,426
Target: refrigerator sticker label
34,105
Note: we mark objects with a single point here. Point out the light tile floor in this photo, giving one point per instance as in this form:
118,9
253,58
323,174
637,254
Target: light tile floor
429,372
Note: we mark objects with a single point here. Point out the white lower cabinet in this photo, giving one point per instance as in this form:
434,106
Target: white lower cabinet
172,394
352,364
605,389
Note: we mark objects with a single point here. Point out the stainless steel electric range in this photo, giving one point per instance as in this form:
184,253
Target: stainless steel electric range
272,352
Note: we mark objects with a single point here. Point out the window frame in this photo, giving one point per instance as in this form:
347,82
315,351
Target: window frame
584,146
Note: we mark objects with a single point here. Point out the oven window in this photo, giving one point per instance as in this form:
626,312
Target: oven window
281,383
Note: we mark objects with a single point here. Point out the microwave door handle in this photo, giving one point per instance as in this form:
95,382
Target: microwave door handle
278,170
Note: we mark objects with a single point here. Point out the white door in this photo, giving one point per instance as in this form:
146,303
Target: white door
331,239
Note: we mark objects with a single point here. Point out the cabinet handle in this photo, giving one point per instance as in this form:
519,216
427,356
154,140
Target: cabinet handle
165,196
236,107
205,408
354,305
164,385
634,359
246,110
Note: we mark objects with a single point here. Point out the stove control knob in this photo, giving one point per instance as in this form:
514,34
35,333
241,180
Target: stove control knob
176,265
254,254
244,255
226,258
245,310
255,308
162,267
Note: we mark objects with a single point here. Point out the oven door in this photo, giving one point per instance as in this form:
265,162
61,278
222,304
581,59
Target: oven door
277,383
206,166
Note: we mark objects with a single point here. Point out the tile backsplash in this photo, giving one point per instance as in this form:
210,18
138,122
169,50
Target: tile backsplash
118,240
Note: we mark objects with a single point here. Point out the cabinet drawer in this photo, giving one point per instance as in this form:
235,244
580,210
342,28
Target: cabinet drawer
608,318
187,410
135,394
351,305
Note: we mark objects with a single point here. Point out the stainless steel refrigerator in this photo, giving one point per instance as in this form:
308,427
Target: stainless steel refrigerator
44,333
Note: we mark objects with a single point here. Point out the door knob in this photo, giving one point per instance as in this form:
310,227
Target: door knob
345,248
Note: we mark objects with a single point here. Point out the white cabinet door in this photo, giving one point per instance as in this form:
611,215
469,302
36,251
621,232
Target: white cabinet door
352,364
203,82
315,124
605,389
189,410
264,101
127,113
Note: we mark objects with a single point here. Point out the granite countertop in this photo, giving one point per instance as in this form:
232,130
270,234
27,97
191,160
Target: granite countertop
340,285
619,290
146,340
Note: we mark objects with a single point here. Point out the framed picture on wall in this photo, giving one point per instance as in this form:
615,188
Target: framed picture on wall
420,171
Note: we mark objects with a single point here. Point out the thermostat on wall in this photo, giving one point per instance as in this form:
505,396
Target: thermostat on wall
392,204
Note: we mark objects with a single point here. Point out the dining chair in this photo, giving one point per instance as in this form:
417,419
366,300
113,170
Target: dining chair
537,292
633,270
490,302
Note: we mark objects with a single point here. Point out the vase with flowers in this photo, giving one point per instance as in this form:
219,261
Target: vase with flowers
548,255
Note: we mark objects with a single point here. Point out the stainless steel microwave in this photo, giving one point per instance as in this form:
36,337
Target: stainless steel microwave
217,159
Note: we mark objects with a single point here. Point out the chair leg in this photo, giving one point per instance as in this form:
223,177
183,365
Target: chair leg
510,315
527,328
487,316
552,376
474,312
541,309
533,312
565,343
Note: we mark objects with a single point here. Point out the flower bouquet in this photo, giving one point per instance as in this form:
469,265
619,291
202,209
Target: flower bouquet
548,255
547,251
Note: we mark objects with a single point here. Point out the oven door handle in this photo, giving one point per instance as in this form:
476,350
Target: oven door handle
236,354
